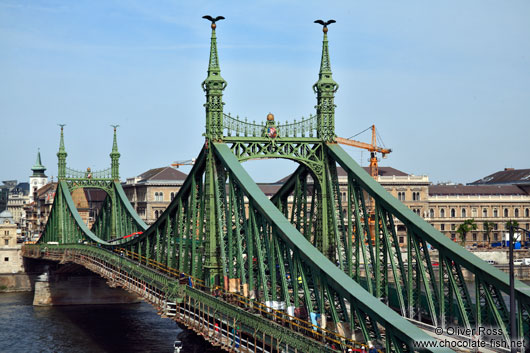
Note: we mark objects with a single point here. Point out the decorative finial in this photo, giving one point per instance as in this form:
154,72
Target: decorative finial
325,89
114,157
214,85
325,24
61,155
213,20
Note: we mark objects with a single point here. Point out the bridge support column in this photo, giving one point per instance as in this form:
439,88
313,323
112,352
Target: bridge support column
78,289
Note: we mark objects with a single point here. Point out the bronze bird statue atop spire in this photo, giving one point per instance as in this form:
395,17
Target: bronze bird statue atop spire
213,20
325,24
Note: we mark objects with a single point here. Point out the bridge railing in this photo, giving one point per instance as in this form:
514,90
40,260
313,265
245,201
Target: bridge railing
234,126
297,324
119,255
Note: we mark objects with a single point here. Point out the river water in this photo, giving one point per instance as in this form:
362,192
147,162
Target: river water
89,328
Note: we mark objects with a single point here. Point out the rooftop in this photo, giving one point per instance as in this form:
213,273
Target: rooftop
453,190
506,176
382,171
162,174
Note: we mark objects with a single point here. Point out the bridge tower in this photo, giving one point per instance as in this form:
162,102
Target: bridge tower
213,86
112,220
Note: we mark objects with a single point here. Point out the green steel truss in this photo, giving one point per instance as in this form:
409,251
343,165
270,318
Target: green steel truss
317,248
116,218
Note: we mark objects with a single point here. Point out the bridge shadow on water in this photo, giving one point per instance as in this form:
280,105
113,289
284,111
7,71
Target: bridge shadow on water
89,328
131,328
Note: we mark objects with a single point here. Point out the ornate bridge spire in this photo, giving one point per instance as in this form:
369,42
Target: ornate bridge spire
61,156
115,156
325,89
214,86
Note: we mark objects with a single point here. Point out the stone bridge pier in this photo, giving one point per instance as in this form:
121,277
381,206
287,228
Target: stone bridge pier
72,284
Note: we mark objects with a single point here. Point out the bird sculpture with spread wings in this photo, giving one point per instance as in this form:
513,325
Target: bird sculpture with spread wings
213,20
325,24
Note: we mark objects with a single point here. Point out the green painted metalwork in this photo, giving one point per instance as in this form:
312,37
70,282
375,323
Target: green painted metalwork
61,155
214,86
325,89
318,245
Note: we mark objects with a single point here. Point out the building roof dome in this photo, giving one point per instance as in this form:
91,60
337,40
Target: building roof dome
6,215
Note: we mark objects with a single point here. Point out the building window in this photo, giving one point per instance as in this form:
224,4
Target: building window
442,213
464,213
156,214
453,236
453,213
495,226
6,259
172,196
527,213
506,213
442,226
484,237
431,213
6,241
473,212
401,240
474,236
416,196
495,236
484,212
401,196
495,213
453,226
516,213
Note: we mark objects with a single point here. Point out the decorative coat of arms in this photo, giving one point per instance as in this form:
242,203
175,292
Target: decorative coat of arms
271,132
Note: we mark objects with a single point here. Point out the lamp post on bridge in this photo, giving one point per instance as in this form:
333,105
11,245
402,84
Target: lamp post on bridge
512,225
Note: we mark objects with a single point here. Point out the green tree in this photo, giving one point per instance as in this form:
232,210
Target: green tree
464,228
488,227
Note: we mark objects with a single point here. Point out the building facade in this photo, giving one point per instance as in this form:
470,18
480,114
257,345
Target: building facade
152,191
38,211
490,206
10,254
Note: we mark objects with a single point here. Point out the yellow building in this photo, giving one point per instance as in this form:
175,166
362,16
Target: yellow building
151,192
10,253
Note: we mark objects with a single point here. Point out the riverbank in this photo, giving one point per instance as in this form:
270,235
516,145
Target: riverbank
16,282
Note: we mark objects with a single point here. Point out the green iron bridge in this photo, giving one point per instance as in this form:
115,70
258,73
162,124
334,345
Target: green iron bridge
308,270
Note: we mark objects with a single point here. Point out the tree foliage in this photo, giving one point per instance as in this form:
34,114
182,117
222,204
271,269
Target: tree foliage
464,228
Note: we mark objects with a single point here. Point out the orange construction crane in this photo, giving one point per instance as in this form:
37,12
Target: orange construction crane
186,162
373,148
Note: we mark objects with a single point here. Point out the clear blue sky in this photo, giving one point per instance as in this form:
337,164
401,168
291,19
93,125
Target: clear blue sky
446,83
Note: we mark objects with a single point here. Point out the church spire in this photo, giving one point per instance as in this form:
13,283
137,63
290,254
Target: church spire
38,169
325,89
214,86
115,156
61,156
